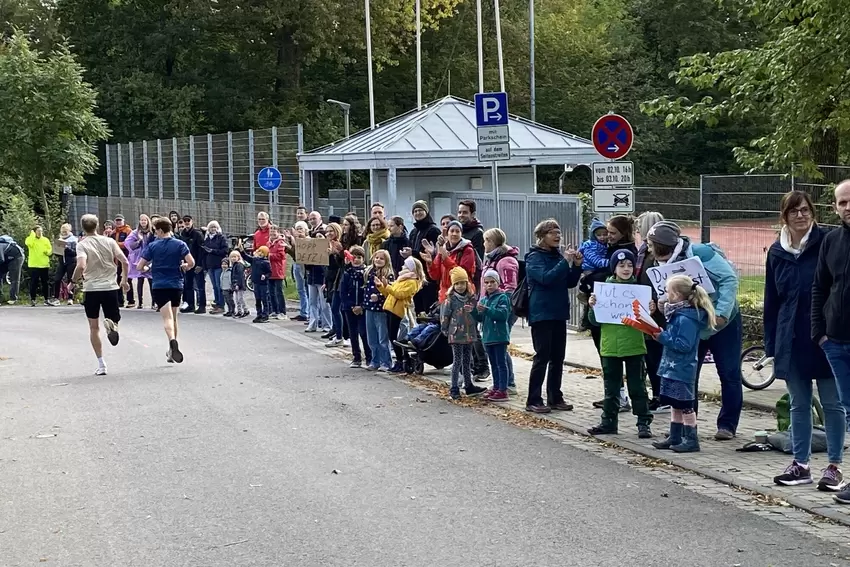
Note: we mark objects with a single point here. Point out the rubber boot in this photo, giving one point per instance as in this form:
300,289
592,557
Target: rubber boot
690,441
675,437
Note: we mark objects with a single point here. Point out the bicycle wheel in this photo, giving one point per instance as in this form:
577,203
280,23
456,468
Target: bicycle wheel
756,368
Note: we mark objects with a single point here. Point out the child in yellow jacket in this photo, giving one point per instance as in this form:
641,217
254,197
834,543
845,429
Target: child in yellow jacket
399,302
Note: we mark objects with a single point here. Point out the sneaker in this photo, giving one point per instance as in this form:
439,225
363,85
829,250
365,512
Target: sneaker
101,371
183,305
311,330
724,435
513,391
299,318
384,369
661,408
168,356
140,306
356,364
843,497
481,377
32,303
328,335
372,367
602,430
397,368
131,304
216,310
187,310
176,355
259,320
625,407
454,393
71,302
111,331
644,432
498,397
200,311
538,408
474,391
282,317
49,304
832,479
597,405
345,342
794,475
561,406
228,314
10,302
333,343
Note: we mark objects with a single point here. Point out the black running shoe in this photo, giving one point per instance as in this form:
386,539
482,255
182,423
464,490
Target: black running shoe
176,355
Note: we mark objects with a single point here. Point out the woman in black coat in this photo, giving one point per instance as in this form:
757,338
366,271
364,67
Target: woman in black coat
398,245
424,228
789,276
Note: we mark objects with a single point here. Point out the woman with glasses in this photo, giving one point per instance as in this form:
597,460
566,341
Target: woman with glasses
791,264
550,270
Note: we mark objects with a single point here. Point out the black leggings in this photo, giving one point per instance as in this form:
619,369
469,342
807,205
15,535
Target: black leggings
40,275
64,271
394,324
140,288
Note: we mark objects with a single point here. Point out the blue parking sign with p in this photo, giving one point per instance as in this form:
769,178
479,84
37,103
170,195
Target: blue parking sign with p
491,109
269,178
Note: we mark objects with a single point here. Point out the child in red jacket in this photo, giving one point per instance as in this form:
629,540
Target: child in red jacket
277,258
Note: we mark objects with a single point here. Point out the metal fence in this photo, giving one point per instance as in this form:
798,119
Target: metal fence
211,167
236,219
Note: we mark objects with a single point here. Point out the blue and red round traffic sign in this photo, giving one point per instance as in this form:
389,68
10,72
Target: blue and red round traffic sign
612,136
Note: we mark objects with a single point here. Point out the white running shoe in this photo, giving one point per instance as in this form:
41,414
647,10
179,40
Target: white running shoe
111,331
333,343
101,371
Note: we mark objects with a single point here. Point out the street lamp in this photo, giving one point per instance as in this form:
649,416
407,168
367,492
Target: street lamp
346,107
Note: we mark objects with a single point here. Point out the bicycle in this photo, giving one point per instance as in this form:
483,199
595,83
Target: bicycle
757,372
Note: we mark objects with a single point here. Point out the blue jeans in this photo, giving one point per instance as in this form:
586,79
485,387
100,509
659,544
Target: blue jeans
320,311
511,379
726,348
838,355
261,297
378,335
336,314
301,286
276,302
800,389
215,279
195,283
357,329
498,355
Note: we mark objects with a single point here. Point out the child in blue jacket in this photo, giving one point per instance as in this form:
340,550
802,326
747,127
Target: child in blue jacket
352,295
689,312
493,311
595,249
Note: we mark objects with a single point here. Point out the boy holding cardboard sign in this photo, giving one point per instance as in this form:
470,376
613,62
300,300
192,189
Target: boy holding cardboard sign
621,345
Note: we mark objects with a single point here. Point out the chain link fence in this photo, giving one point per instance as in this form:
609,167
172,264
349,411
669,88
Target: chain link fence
211,167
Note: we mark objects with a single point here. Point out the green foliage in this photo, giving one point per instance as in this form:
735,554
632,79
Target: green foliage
49,128
793,82
17,217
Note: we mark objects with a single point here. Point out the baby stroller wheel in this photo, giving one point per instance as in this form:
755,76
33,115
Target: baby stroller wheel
409,366
419,367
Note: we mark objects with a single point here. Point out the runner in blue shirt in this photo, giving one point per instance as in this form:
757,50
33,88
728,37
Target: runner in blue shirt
167,258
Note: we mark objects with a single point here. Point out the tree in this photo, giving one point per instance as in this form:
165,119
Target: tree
795,82
50,126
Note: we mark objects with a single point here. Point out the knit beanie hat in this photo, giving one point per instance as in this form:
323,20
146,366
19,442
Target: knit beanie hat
455,223
491,273
302,225
665,232
621,256
458,274
421,205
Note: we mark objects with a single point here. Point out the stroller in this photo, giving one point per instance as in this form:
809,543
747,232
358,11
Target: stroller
426,344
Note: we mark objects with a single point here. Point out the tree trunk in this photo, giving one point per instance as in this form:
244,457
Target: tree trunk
824,147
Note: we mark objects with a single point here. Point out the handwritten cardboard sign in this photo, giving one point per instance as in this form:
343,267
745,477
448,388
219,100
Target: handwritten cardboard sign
58,247
311,251
691,267
614,301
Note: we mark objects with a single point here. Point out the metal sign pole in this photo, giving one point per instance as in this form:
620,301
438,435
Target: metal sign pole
495,173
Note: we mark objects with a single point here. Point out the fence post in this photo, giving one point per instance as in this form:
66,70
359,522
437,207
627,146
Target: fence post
120,174
159,167
132,170
108,173
174,167
145,167
793,178
210,167
704,211
251,166
273,199
230,167
192,167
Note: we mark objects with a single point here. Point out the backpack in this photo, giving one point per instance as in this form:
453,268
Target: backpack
519,298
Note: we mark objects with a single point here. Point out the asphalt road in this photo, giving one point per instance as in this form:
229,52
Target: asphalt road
228,460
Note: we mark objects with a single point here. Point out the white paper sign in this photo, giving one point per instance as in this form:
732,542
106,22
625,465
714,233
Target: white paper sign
614,301
691,267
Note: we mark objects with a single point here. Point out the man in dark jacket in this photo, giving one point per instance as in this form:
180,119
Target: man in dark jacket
424,228
194,280
11,261
474,232
831,301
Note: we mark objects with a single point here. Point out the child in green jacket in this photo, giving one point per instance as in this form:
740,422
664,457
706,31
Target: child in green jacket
493,311
621,345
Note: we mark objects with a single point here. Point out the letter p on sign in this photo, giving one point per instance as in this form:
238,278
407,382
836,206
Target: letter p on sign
491,109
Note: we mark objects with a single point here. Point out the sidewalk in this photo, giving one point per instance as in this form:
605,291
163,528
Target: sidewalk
717,460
